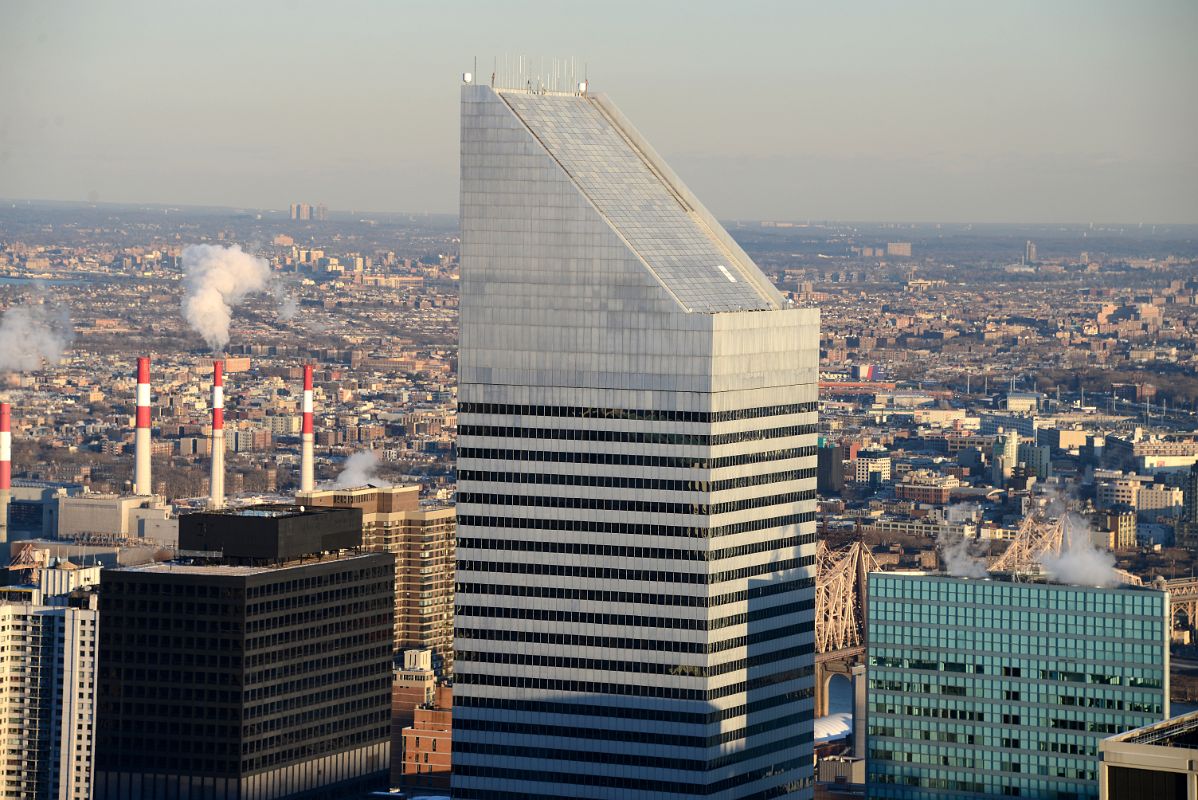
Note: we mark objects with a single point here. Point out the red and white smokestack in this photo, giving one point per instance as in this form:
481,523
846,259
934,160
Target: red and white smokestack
216,496
5,467
141,445
307,439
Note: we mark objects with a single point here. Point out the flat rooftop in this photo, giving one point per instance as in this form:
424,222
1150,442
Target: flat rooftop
1181,732
231,569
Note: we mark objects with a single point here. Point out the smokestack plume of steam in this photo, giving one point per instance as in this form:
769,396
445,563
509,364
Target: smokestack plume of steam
962,512
359,470
287,305
960,559
32,334
215,280
1080,563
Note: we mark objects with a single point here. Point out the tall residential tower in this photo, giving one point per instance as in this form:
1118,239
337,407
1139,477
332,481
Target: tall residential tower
637,476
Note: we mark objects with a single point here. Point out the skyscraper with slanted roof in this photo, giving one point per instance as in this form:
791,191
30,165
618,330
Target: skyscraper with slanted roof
637,459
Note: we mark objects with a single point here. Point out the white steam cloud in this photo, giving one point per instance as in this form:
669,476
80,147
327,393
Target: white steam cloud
962,512
215,280
359,470
1080,562
286,303
288,307
961,559
32,334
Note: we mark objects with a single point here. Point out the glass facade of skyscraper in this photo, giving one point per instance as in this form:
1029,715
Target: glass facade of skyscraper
637,458
984,688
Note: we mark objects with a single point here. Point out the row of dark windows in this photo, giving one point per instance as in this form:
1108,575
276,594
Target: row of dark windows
371,628
640,760
638,506
791,787
343,656
658,576
637,437
633,620
622,643
310,750
612,665
645,415
619,551
369,689
640,712
304,716
613,596
631,482
635,459
632,690
628,784
636,528
659,738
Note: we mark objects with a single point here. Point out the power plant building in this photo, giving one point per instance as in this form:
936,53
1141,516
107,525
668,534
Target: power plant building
991,687
637,455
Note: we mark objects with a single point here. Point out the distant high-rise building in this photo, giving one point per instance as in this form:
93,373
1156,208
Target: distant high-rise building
1038,459
872,467
320,213
301,211
829,476
1119,527
636,500
423,541
991,688
1187,530
1004,456
47,691
264,674
898,249
1029,252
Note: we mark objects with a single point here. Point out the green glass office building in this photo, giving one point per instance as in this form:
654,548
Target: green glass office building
992,688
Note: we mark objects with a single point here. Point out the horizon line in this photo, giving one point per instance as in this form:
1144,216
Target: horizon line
454,214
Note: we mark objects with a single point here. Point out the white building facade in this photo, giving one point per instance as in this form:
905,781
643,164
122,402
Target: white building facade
637,458
47,697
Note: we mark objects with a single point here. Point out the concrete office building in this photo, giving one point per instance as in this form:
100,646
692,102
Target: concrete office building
637,458
423,541
47,692
872,467
985,688
1156,762
263,675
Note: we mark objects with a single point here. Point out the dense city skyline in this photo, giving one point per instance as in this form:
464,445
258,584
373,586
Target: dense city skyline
1070,113
350,442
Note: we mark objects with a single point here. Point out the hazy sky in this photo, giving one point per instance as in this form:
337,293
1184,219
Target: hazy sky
914,111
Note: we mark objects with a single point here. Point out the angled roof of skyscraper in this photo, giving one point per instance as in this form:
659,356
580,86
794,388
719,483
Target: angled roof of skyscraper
644,202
